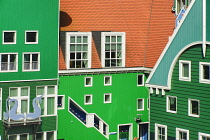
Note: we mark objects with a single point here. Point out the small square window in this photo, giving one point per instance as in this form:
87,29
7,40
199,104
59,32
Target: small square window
88,81
88,99
140,80
31,37
107,98
60,102
184,70
193,108
140,104
107,80
9,37
171,104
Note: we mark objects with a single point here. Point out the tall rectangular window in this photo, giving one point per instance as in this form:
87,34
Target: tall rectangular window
8,62
182,134
49,99
31,37
204,72
61,99
160,132
88,99
88,81
31,61
113,49
9,37
184,70
107,98
140,104
21,94
193,107
107,80
140,80
171,104
78,50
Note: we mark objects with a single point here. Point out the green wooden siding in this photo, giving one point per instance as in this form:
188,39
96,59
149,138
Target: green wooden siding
122,110
184,90
189,32
40,15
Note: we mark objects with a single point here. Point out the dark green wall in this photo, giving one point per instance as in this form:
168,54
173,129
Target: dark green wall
122,110
184,90
22,15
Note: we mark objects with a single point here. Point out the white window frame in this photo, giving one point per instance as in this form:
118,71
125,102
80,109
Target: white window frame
0,103
16,62
181,77
30,69
110,78
89,49
91,99
45,134
142,80
107,94
167,104
201,79
45,96
142,104
200,135
36,42
19,98
156,130
15,32
18,136
189,108
91,82
63,102
130,130
181,130
148,103
103,37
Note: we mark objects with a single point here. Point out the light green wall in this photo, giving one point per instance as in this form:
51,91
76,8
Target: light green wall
184,90
22,15
122,110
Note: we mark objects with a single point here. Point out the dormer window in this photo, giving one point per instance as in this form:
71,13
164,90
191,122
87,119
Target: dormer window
180,4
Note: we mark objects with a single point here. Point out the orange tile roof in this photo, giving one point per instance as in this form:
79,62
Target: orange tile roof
147,23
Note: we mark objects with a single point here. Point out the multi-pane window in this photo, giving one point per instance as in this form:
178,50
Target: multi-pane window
182,134
107,80
18,137
88,99
193,107
184,70
204,136
140,80
78,48
9,37
8,62
31,61
107,98
113,49
171,104
140,104
31,37
49,135
160,132
49,99
21,94
204,72
88,81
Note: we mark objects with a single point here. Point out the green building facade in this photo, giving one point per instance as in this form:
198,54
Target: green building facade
29,40
179,81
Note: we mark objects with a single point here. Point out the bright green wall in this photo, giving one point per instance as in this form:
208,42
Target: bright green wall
184,90
122,110
48,123
22,15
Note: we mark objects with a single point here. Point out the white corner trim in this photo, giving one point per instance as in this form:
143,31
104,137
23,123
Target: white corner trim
204,28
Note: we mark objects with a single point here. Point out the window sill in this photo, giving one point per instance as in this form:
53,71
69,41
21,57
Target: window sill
205,81
140,109
169,111
9,71
193,115
185,79
30,70
8,43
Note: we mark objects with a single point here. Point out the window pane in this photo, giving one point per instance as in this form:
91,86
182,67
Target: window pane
194,105
34,57
50,135
107,80
85,46
140,103
78,47
39,136
79,40
78,55
84,56
26,57
185,71
140,79
24,106
119,39
84,64
50,105
60,101
88,81
113,38
172,103
24,91
107,98
85,39
107,39
72,39
51,90
9,36
72,56
206,71
13,92
31,36
14,137
113,47
107,47
72,48
40,90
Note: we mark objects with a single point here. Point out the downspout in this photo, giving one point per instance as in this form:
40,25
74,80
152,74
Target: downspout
204,28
